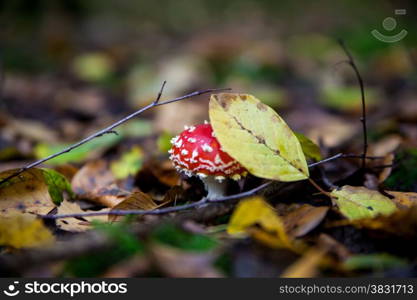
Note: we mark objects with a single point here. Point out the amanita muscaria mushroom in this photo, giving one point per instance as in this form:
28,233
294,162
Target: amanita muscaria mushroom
197,152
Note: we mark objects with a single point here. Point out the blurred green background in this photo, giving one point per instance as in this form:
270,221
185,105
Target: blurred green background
110,57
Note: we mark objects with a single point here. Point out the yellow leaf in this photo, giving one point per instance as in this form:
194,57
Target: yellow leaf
307,266
256,136
255,211
23,231
359,202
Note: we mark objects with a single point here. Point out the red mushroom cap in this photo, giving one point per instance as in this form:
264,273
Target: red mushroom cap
196,151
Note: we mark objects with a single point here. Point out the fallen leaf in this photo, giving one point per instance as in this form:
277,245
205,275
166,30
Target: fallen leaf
304,219
136,200
402,223
128,164
256,136
403,199
35,191
76,224
95,182
307,266
255,211
387,162
156,173
310,149
24,231
359,202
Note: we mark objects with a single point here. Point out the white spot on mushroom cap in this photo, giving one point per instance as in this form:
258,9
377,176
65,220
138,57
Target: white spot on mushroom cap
184,152
206,148
192,140
178,143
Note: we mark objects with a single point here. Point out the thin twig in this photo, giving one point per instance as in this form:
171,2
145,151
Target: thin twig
110,128
318,187
337,156
352,63
171,209
160,211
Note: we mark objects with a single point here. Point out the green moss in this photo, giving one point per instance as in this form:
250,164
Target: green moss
92,265
178,238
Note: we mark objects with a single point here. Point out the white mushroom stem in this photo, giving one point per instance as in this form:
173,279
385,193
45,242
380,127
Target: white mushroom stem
215,188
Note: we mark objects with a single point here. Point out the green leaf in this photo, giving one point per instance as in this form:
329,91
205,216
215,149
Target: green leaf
57,184
171,235
310,149
359,202
378,261
256,136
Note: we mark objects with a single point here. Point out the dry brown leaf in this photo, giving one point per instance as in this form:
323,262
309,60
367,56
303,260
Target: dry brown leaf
304,219
386,171
27,193
92,176
139,201
76,224
95,182
154,173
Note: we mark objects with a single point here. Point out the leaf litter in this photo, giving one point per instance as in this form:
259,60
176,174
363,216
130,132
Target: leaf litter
358,227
